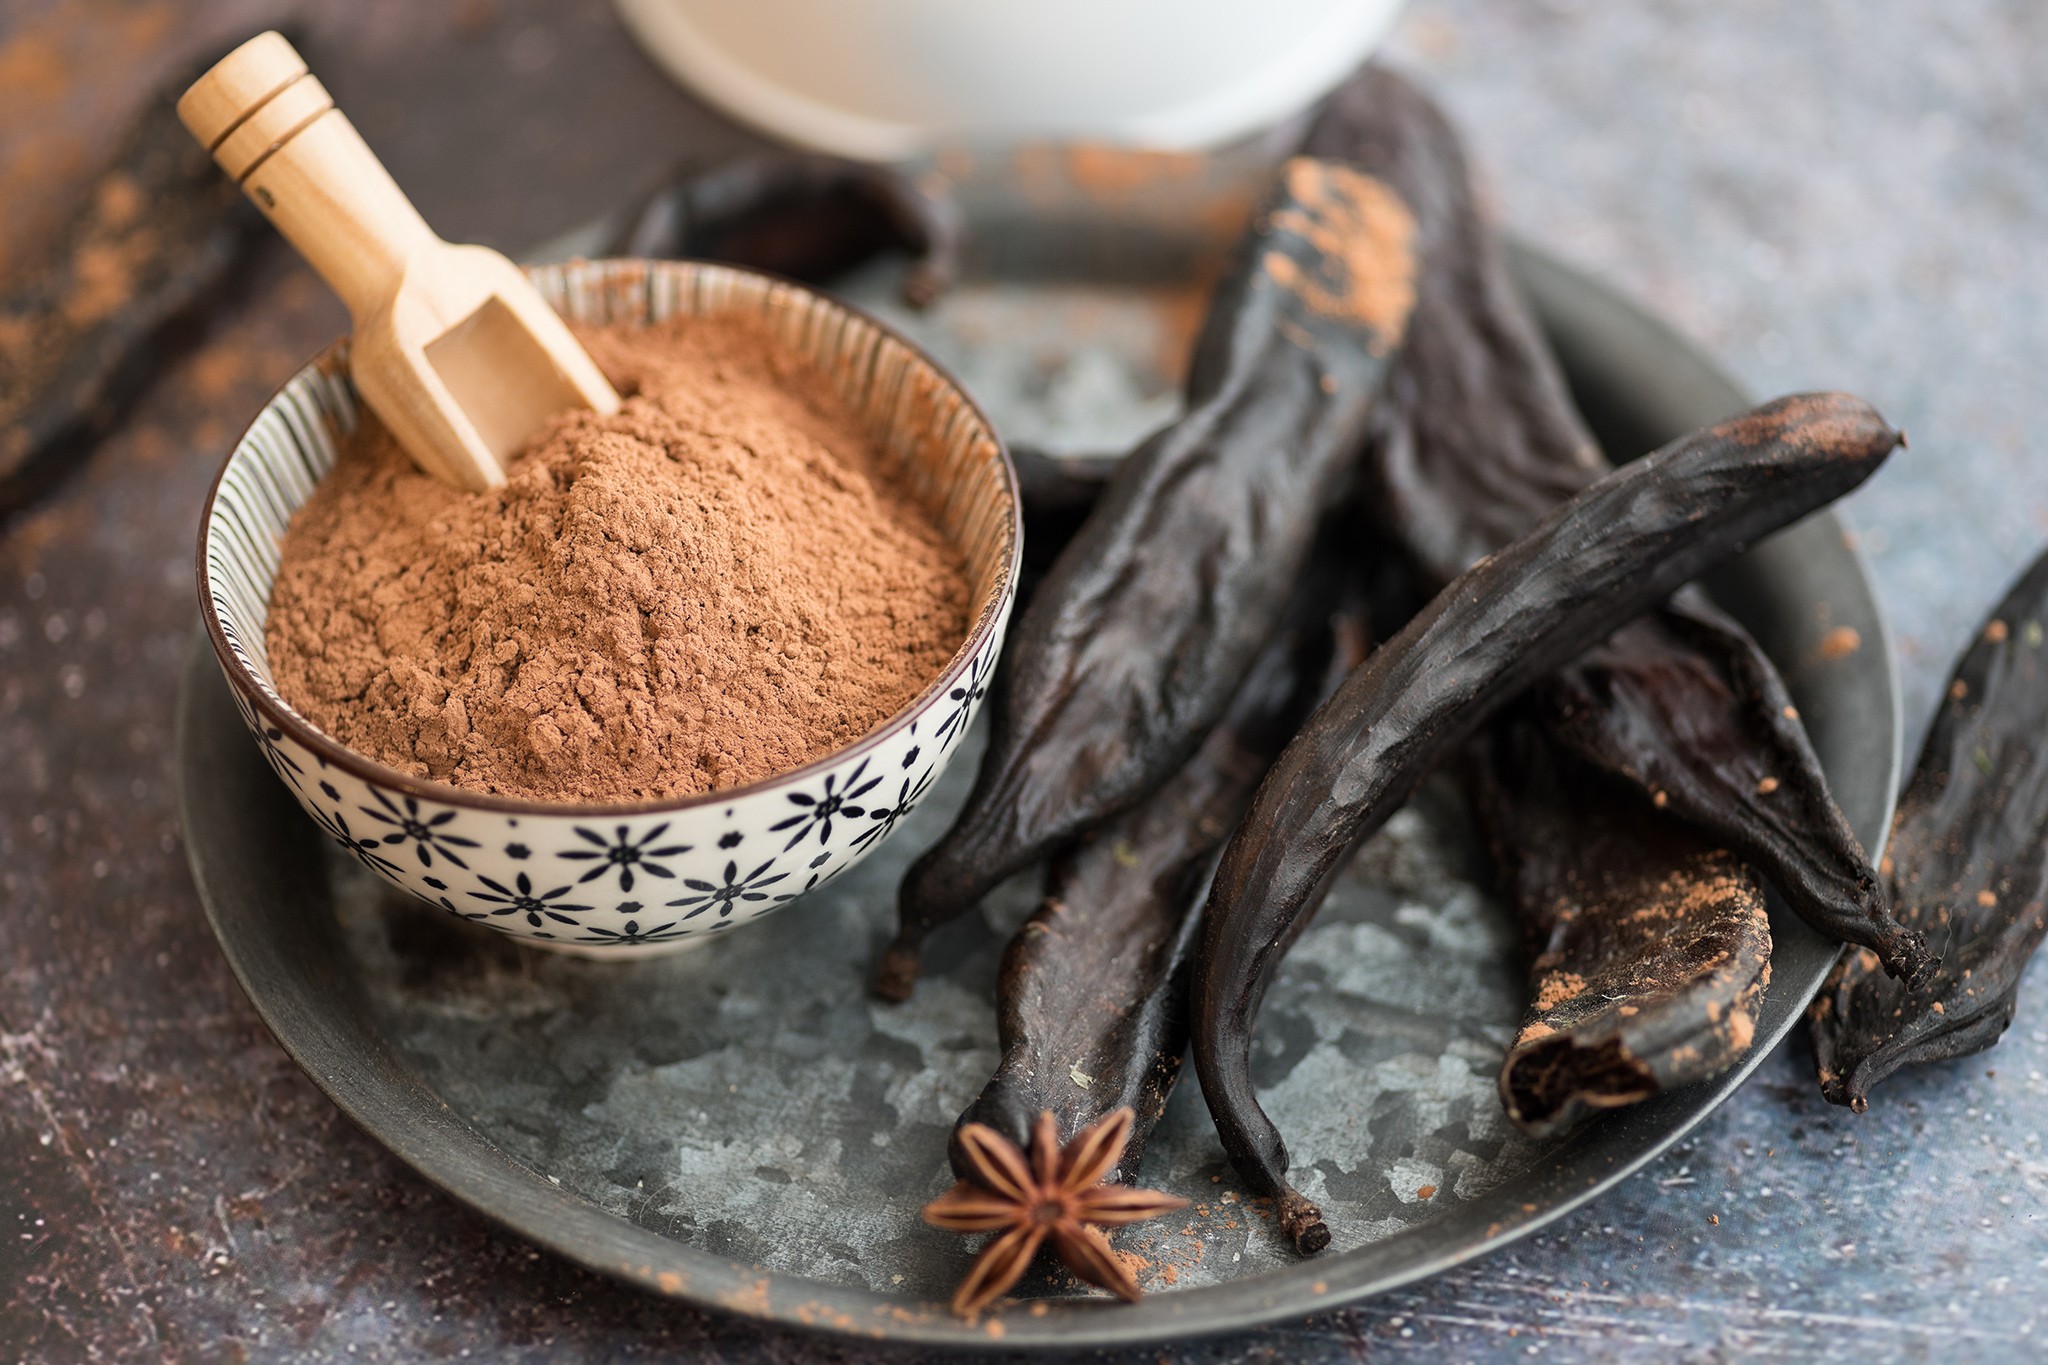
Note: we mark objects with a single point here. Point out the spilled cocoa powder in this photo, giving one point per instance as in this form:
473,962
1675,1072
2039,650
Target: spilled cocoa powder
718,583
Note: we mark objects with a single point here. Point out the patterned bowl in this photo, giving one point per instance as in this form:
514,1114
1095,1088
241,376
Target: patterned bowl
647,877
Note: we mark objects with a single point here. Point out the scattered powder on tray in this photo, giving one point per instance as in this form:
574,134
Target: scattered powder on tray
715,585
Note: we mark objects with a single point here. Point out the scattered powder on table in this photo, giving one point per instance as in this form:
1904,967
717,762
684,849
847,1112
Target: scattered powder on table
717,584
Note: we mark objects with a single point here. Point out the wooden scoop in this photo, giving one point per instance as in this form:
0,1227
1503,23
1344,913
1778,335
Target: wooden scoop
454,349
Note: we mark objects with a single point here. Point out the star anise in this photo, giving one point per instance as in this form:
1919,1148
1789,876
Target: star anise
1057,1194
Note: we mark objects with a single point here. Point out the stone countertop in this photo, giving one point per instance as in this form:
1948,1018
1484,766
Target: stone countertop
1835,194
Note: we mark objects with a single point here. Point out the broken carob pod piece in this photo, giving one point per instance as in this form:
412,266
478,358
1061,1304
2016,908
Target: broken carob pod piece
85,329
1603,558
1649,947
1968,866
1092,997
1131,649
1476,440
803,215
1684,706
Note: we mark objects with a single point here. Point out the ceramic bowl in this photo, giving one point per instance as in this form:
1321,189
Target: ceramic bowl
646,877
887,79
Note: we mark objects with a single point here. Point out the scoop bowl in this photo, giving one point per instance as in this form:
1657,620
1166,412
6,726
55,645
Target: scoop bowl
641,878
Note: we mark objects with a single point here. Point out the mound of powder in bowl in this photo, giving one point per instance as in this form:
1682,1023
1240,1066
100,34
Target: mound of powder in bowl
718,583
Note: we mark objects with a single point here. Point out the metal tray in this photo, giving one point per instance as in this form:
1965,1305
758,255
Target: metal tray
741,1127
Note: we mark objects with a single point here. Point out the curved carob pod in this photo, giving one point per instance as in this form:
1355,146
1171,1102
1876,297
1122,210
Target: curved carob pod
1649,948
803,215
1092,997
1601,559
1968,865
1477,439
1140,635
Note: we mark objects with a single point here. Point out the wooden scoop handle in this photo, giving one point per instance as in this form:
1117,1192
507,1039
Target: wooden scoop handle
274,128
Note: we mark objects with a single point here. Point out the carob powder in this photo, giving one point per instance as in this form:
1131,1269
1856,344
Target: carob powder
716,584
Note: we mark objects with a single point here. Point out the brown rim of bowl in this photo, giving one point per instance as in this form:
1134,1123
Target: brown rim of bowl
370,770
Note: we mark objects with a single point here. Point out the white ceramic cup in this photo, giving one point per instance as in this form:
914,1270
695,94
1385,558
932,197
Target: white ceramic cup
889,79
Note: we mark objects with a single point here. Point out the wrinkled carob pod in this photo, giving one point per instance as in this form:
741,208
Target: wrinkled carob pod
1650,948
1968,865
1141,634
1684,706
1617,549
1477,440
1092,999
806,216
88,327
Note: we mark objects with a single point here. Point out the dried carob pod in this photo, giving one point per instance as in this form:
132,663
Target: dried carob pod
1649,948
1092,998
807,216
1478,439
1138,639
84,330
1612,552
1685,707
1968,866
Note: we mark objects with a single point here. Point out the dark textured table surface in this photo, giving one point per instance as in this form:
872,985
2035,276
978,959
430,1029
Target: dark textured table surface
1844,193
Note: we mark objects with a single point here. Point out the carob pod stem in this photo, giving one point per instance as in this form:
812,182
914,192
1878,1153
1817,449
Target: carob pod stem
1477,439
1092,998
1131,649
1650,948
1612,552
88,327
1968,865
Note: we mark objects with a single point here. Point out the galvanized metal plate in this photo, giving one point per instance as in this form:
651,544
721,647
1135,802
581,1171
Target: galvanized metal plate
744,1128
